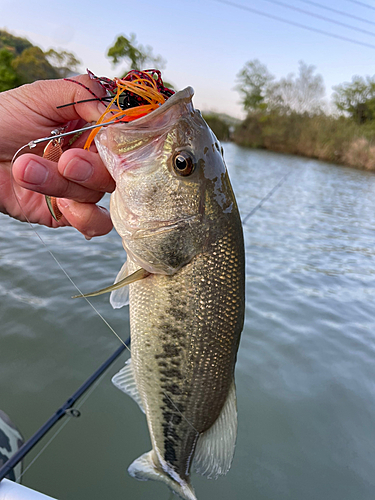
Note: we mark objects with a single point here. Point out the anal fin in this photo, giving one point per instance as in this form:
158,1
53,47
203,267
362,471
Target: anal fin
215,447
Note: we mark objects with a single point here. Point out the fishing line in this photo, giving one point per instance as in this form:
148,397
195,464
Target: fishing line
268,195
66,421
45,447
31,145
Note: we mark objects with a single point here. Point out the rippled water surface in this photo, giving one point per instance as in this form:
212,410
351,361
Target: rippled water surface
306,366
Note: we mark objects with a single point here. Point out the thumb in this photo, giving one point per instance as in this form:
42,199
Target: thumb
31,111
59,92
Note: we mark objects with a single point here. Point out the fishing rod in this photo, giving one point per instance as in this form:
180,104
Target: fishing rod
65,409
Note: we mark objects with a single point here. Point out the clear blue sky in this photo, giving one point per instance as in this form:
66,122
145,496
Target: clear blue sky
204,42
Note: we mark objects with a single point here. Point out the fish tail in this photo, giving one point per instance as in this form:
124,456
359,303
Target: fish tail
144,468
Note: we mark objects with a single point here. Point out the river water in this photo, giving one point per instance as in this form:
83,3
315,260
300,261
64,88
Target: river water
306,366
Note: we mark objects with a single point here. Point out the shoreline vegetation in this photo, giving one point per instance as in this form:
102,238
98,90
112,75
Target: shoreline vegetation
333,139
290,115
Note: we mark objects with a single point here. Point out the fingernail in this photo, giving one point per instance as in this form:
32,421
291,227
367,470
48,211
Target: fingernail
78,170
35,173
62,202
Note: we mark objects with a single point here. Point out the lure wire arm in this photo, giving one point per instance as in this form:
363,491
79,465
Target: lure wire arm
34,143
53,152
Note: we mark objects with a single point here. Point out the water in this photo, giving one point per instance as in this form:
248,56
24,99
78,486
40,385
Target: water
306,365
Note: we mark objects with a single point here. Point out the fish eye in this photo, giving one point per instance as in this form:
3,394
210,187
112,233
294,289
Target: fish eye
183,164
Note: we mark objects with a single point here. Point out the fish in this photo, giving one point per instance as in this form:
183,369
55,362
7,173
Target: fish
177,216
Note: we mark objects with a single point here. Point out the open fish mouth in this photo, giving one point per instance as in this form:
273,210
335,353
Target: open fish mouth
121,138
182,98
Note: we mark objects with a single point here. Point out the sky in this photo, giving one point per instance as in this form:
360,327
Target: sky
206,42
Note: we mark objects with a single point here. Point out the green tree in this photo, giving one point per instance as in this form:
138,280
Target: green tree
218,125
22,62
32,65
135,55
64,62
357,98
254,81
8,76
14,44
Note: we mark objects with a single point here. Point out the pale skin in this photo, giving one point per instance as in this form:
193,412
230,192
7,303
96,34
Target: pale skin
79,180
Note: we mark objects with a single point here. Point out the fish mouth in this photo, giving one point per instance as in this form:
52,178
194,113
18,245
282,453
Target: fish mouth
177,105
182,98
118,143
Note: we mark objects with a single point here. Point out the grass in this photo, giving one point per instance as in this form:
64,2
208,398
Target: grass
328,138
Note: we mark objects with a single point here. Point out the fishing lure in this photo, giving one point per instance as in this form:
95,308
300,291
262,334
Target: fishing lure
131,97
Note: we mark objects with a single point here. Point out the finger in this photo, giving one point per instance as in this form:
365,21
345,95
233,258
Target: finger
41,175
59,92
36,107
91,220
87,169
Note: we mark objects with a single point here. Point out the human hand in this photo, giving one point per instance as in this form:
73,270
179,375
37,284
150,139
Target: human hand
79,180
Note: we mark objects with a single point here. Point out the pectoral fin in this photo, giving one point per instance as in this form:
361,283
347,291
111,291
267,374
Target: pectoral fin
120,298
136,276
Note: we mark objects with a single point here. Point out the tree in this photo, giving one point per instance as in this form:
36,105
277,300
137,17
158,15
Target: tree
13,44
8,76
260,91
64,62
137,56
302,93
22,62
357,98
32,65
254,81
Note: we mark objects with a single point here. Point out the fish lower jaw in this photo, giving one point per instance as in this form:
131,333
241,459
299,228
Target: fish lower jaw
144,469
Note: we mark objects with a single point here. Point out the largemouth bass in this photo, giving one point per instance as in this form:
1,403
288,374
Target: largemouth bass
176,213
